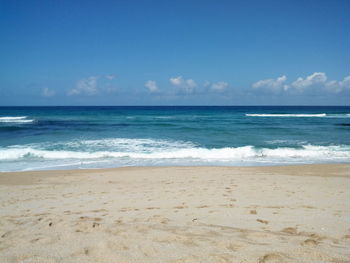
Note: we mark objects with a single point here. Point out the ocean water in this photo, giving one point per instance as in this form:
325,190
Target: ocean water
41,138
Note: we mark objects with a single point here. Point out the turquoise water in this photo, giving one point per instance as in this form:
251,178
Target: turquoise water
34,138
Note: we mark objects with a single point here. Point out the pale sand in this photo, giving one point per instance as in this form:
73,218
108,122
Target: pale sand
177,214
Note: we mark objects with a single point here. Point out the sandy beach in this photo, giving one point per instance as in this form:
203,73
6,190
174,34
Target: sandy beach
177,214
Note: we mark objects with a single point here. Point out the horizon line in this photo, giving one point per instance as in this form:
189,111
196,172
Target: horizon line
262,105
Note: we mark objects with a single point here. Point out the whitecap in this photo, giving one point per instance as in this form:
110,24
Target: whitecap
13,118
18,119
286,115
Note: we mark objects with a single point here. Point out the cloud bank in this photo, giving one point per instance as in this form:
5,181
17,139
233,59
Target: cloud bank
317,82
86,86
186,86
220,86
272,85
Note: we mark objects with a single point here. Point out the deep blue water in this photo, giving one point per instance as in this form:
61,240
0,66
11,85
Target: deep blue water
91,137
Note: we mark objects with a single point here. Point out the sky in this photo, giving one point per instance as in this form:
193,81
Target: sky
178,52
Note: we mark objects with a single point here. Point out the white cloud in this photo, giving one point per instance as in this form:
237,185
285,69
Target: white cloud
190,83
273,85
46,92
177,81
317,78
219,86
188,86
110,76
338,86
316,81
86,86
152,86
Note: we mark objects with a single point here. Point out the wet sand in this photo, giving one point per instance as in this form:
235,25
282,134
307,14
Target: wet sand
177,214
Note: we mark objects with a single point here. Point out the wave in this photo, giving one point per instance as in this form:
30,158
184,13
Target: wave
286,115
19,119
302,115
245,153
118,144
13,118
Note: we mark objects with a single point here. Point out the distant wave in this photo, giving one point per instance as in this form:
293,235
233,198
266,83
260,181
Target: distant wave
19,119
13,118
287,115
302,115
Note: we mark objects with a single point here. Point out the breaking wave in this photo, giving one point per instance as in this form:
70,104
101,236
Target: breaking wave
316,115
129,150
286,115
20,119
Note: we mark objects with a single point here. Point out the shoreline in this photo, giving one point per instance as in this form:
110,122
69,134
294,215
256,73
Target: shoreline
294,213
268,168
181,166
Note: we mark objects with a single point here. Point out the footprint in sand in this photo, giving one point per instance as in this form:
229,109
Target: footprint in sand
290,230
180,207
202,206
271,258
310,243
158,219
262,221
151,208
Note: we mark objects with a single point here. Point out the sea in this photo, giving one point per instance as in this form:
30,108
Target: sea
46,138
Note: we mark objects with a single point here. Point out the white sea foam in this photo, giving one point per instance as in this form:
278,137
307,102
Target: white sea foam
246,153
19,119
115,152
121,145
286,115
302,115
13,118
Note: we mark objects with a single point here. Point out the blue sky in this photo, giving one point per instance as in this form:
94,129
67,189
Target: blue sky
178,52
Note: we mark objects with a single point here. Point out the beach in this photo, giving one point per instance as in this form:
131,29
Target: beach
175,132
291,213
